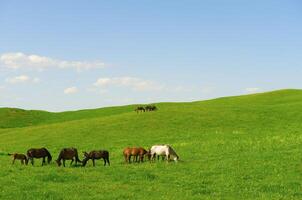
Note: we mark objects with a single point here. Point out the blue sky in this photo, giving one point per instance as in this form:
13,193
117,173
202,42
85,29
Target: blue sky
67,55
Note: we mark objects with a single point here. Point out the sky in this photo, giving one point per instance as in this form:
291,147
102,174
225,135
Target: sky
70,55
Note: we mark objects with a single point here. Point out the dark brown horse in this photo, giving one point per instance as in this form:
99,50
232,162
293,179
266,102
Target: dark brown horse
39,153
68,154
140,109
96,155
18,156
150,108
136,152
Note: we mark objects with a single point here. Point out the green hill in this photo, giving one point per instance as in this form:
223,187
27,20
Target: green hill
244,147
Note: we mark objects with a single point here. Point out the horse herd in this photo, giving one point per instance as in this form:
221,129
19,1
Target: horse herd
136,153
147,108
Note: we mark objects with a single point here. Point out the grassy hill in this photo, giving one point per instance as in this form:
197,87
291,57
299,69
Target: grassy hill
245,147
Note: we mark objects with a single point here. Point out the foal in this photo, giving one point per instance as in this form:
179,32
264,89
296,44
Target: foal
18,156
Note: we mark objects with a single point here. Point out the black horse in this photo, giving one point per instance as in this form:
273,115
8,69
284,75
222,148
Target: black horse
39,153
151,108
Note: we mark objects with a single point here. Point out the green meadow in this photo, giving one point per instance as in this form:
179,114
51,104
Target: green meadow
243,147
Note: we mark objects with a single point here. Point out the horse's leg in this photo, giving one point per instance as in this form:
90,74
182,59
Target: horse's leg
129,159
168,157
43,161
32,161
13,161
64,162
135,158
104,161
93,162
72,162
108,161
22,162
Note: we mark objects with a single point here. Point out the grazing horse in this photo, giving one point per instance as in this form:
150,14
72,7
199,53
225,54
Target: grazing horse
68,154
150,108
140,109
163,150
18,156
39,153
96,155
136,152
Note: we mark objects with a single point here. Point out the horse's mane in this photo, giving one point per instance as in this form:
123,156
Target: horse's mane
172,151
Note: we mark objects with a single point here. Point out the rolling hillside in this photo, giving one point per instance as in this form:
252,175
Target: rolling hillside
244,147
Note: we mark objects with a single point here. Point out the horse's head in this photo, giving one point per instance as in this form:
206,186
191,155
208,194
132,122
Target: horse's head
85,154
84,161
49,159
176,158
58,162
26,161
148,154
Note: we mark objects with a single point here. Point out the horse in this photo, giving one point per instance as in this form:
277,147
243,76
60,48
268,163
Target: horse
18,156
68,154
150,108
96,155
39,153
163,150
140,109
136,152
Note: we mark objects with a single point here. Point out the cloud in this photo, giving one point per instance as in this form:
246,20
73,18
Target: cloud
137,84
20,60
71,90
22,79
252,90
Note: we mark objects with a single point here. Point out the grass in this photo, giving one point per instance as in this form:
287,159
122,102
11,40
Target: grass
245,147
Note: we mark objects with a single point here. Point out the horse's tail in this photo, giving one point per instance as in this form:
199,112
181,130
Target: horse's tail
108,158
77,156
49,157
29,153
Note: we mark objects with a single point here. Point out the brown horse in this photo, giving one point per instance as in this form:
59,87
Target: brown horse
150,108
18,156
136,152
96,155
39,153
68,154
140,109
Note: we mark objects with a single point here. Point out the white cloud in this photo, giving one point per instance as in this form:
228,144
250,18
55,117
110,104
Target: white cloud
130,82
21,60
36,80
71,90
22,79
252,90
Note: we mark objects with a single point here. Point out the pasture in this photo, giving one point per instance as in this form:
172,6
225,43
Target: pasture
245,147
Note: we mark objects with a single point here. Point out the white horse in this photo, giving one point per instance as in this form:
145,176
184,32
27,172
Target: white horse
163,150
